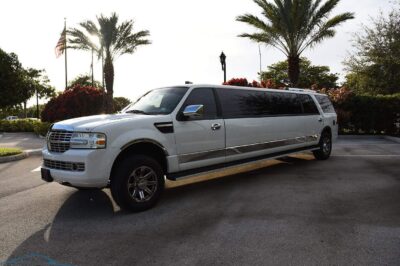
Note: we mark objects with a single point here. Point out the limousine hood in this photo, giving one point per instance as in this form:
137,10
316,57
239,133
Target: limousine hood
90,123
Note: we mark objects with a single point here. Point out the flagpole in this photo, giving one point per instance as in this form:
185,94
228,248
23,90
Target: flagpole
102,68
259,52
65,50
92,70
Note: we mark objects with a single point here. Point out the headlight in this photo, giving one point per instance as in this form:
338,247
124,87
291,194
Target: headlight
81,140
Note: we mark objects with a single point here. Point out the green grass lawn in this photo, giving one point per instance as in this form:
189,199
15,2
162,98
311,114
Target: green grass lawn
9,151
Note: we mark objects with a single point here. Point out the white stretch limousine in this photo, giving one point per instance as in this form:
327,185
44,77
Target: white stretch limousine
180,131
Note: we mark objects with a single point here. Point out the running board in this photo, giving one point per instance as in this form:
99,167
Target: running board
201,170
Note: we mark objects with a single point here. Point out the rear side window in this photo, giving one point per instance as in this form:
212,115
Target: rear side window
204,96
325,103
309,107
247,103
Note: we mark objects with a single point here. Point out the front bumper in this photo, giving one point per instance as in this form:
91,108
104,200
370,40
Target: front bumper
95,174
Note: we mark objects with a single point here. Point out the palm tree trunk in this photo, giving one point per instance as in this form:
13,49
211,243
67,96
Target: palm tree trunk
294,69
109,80
25,114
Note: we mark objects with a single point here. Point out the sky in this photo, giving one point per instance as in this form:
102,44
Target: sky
187,38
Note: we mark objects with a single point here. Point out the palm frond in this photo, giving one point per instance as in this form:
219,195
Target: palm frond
78,40
293,25
254,21
326,30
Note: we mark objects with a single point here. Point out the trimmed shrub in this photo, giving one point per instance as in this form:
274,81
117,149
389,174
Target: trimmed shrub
75,102
42,128
368,114
24,125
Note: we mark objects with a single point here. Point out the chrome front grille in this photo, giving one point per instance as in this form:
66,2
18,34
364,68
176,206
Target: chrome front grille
67,166
59,141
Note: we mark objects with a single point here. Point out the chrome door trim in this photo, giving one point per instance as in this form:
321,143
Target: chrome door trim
204,155
269,145
198,156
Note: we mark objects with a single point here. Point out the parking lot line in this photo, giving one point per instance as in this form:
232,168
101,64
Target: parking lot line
36,169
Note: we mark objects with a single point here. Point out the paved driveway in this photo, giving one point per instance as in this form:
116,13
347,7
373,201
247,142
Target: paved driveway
295,211
24,140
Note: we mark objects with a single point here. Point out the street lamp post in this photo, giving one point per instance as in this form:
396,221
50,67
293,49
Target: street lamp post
222,58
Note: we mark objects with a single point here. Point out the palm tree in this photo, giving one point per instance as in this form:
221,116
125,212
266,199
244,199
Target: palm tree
114,40
292,26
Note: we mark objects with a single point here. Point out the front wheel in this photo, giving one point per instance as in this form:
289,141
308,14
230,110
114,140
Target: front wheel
325,147
138,183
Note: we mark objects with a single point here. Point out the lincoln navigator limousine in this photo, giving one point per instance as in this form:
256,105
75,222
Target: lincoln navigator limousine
180,131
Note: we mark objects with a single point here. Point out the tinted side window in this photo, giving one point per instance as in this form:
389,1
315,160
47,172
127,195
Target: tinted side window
286,104
308,103
325,104
246,103
204,96
243,103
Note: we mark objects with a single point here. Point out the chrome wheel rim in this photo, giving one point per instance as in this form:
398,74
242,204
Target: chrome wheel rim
326,145
142,184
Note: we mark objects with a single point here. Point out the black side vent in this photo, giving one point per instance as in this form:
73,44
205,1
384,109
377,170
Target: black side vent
165,127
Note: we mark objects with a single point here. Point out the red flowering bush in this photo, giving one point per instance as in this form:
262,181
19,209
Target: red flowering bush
75,102
242,82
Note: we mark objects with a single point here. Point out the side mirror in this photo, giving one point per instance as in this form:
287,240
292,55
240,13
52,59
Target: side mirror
193,111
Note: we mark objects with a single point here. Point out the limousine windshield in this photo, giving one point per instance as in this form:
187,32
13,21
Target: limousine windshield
158,101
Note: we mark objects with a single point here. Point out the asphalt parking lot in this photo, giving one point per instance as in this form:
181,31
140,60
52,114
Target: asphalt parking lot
293,211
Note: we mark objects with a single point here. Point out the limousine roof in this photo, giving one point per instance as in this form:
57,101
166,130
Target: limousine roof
293,90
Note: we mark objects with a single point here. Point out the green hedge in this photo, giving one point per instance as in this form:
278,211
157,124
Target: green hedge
24,125
368,114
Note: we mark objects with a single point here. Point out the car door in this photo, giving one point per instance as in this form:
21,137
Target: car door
200,141
311,120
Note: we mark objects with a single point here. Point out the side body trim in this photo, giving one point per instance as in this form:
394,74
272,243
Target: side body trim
191,157
174,176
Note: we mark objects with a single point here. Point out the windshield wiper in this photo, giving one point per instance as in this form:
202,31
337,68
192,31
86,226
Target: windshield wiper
136,112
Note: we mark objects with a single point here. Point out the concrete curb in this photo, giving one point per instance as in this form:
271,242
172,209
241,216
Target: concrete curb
11,158
394,139
21,156
34,152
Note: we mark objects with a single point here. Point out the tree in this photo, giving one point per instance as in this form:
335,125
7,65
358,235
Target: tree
120,103
375,65
115,40
35,82
292,26
18,85
310,75
11,79
84,80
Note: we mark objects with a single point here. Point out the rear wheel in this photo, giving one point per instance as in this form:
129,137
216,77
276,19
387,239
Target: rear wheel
138,183
325,147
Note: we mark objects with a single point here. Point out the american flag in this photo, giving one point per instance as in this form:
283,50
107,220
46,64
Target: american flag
59,50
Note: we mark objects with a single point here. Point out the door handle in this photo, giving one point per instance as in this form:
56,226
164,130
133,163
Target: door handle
215,126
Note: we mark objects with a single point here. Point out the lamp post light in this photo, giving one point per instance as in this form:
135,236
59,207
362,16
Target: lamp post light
222,58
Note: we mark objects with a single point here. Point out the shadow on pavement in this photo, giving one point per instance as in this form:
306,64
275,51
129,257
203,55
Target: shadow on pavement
196,223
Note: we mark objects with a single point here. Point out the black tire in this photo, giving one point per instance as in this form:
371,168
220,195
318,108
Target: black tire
130,187
325,147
